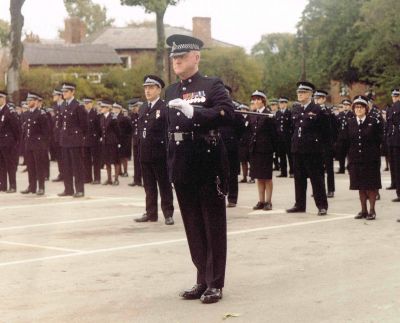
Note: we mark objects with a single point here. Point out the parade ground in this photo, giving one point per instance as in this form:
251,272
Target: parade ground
86,260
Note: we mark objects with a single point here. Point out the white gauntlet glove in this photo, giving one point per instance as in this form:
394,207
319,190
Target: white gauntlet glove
182,105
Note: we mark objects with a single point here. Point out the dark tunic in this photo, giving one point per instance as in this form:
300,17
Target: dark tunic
125,139
110,135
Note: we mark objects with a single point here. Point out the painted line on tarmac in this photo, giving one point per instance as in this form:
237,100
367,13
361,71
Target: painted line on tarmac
168,242
38,225
12,243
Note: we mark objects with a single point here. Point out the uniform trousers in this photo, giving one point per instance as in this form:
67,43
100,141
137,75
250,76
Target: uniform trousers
47,163
328,166
394,159
59,158
204,218
73,170
309,166
156,173
8,167
342,147
234,170
92,161
285,155
137,176
36,164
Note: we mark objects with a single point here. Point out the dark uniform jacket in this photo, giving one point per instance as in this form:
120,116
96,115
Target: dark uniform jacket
74,124
9,127
37,131
311,129
93,135
365,140
135,130
200,156
231,133
264,136
333,130
126,135
284,126
342,120
393,125
110,132
57,123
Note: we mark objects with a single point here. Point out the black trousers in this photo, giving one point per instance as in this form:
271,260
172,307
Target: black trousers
92,162
74,172
204,217
47,163
234,170
394,159
59,159
285,155
137,176
8,167
328,167
309,166
342,147
156,173
36,164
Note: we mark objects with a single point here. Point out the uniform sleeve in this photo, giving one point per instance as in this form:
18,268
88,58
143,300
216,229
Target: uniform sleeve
44,126
83,119
15,126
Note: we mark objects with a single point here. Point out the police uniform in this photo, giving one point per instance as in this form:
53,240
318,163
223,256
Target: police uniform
152,125
311,131
197,166
57,125
125,151
110,136
137,176
285,132
74,128
342,141
9,137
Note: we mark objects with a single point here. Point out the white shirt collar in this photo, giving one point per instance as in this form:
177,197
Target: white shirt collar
106,114
261,110
1,108
154,102
362,119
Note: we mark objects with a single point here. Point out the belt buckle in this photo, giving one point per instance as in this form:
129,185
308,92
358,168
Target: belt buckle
178,136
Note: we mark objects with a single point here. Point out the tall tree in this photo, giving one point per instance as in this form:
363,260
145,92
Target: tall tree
93,15
4,33
16,50
159,7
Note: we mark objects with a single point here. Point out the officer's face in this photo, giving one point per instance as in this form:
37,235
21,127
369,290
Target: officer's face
360,110
152,92
56,98
88,105
304,96
320,100
104,109
256,103
186,65
32,104
274,107
68,94
346,107
116,110
283,105
394,99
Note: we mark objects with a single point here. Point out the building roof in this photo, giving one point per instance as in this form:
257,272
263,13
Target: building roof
77,54
138,37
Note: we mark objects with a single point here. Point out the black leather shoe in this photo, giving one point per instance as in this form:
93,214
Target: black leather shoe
135,184
95,183
267,206
281,175
124,175
391,187
397,199
258,206
211,295
322,212
330,194
40,192
145,218
58,179
361,215
115,183
79,194
371,216
11,190
27,191
291,176
107,182
251,181
243,181
169,221
63,194
340,172
295,209
194,293
231,204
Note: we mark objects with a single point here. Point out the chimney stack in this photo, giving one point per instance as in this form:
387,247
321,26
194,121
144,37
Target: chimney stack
75,30
202,30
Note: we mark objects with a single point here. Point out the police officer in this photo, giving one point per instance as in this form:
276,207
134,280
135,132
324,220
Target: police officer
284,130
74,128
342,141
197,164
311,131
50,122
134,105
320,98
36,145
125,150
153,152
274,108
57,124
91,144
9,138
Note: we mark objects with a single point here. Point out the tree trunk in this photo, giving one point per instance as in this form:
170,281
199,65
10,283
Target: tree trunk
16,48
160,51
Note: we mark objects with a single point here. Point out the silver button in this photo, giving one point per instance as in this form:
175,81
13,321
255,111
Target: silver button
178,114
190,80
177,127
184,89
177,143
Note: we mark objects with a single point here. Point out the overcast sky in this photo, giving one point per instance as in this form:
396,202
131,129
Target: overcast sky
240,22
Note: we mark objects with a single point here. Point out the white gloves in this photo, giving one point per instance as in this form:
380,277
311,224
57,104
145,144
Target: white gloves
182,105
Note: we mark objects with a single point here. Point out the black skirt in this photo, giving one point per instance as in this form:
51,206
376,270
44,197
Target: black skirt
109,154
365,176
126,148
261,165
244,154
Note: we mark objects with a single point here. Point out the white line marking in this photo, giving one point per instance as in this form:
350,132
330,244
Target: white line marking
259,212
167,242
29,226
38,246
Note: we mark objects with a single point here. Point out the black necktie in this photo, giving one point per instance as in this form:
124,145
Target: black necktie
149,106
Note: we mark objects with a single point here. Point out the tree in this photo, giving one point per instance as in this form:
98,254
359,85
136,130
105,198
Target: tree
93,15
16,50
4,33
159,7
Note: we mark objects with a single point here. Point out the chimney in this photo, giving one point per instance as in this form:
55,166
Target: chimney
75,30
202,30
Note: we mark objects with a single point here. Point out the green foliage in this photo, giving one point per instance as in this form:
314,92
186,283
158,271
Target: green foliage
4,33
235,68
151,6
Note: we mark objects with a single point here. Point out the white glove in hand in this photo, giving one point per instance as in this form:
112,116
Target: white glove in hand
182,105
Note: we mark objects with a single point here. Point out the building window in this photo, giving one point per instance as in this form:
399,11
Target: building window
126,61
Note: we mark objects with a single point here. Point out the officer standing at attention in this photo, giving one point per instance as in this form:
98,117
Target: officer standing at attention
57,124
342,142
197,162
133,106
9,136
36,145
311,129
153,152
74,128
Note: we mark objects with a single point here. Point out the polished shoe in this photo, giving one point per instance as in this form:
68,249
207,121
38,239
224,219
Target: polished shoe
40,192
267,206
330,194
391,187
322,212
371,216
115,183
134,184
251,181
195,292
291,176
386,169
281,175
397,199
57,179
24,170
211,295
79,194
340,172
124,175
27,191
95,183
243,181
231,204
63,194
361,215
169,221
295,209
11,190
107,182
259,206
145,218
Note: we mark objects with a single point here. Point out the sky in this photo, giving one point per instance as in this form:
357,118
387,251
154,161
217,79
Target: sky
239,22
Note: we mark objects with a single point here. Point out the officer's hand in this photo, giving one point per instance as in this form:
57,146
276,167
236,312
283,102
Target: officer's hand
182,105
